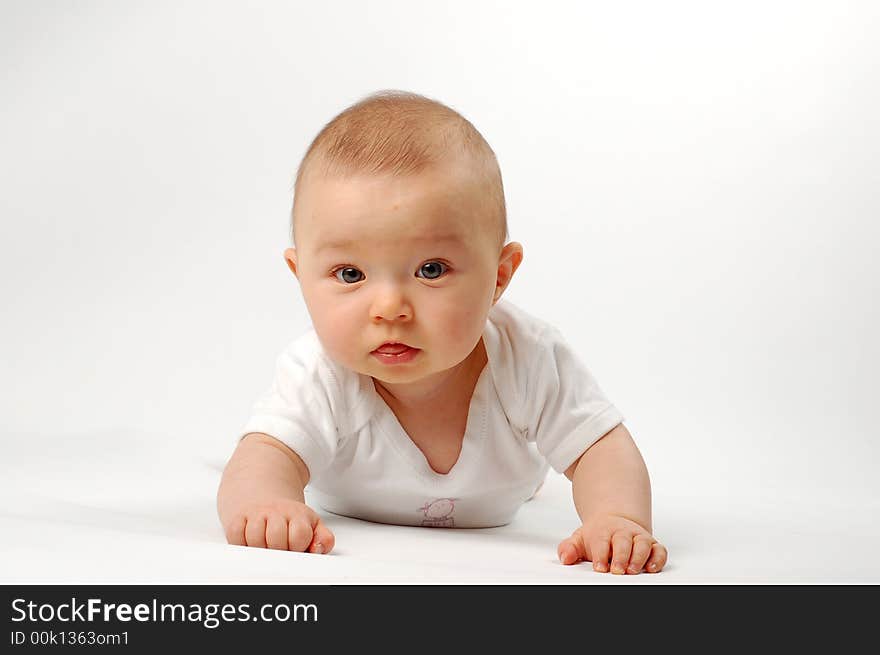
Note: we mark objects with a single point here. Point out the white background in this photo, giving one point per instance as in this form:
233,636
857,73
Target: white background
695,186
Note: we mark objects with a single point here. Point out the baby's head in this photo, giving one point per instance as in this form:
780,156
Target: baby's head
398,226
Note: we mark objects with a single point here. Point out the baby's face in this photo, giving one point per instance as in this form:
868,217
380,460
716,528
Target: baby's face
410,260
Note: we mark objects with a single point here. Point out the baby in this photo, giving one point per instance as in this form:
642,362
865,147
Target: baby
420,397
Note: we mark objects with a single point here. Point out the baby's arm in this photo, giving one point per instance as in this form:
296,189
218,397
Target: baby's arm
612,494
261,503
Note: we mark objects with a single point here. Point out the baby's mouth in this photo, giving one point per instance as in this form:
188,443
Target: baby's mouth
393,348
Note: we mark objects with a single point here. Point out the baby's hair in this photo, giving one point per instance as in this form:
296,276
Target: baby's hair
402,133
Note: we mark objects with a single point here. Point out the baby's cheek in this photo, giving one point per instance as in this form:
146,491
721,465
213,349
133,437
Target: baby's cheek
466,321
334,337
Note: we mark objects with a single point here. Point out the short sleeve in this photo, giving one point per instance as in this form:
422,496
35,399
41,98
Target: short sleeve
566,410
300,406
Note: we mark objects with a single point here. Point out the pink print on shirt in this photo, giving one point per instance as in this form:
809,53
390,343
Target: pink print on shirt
438,513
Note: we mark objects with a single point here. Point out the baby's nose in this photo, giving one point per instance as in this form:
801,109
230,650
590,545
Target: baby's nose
391,305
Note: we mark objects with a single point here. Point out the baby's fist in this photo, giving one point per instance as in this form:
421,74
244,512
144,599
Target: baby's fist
283,524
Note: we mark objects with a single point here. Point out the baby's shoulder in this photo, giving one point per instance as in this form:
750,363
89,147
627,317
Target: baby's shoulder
523,333
346,393
517,341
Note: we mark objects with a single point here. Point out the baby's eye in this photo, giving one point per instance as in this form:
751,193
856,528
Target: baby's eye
433,270
347,272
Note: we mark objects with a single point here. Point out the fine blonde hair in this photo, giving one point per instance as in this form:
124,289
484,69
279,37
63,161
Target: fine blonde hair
402,133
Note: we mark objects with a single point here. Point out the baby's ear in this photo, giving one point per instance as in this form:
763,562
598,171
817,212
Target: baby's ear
290,258
511,258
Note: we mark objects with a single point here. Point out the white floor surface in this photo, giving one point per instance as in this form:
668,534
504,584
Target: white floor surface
116,509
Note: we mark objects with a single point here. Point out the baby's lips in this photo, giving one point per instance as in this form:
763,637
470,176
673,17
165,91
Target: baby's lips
392,348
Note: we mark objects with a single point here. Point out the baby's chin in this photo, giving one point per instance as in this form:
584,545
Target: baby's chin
397,374
407,373
383,372
418,370
369,365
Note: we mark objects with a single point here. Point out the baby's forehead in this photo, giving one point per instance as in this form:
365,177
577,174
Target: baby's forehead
403,244
439,184
412,210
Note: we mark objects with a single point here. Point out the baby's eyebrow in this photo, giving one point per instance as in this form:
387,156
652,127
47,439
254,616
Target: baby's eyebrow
340,244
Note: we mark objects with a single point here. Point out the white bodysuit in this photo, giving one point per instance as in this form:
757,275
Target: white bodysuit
535,405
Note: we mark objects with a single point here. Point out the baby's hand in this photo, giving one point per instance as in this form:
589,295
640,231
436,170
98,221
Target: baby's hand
282,524
631,548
